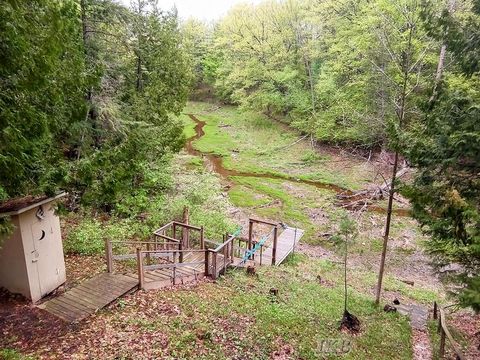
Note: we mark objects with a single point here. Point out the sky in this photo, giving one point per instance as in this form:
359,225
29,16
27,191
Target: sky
200,9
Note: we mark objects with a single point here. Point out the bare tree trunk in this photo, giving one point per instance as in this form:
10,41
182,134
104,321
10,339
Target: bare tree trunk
387,229
138,85
345,274
441,59
401,119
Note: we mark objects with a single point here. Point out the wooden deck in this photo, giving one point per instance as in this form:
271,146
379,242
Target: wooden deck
96,293
183,273
285,245
90,296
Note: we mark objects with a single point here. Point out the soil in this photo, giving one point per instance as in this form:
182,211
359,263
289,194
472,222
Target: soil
469,324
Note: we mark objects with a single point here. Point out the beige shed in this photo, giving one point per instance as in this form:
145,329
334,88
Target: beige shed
31,257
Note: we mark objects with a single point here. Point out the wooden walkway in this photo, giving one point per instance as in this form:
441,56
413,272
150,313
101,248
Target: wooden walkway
96,293
285,245
157,279
90,296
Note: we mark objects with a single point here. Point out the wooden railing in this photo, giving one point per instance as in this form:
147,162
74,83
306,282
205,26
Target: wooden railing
274,226
110,256
169,248
173,265
227,250
439,313
173,228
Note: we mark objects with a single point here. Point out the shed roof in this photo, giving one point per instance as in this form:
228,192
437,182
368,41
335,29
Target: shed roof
19,205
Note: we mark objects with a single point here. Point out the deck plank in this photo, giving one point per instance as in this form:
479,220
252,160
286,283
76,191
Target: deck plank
286,243
90,296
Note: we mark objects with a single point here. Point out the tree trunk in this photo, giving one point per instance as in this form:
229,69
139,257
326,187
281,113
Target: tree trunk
387,229
441,60
401,119
345,275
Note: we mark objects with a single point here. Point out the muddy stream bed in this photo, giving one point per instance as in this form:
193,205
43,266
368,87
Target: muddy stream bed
216,162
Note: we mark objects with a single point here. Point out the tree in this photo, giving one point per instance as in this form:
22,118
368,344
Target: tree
41,69
87,96
346,236
408,58
445,149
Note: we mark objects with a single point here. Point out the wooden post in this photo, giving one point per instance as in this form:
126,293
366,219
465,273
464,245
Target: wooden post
109,256
202,238
214,265
231,252
439,328
274,250
206,262
174,270
174,235
250,234
180,256
149,260
186,231
435,310
141,281
225,256
442,343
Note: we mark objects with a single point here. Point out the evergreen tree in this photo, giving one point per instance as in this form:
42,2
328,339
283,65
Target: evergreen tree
446,192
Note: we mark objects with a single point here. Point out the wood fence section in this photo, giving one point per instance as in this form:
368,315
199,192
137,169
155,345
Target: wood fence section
439,313
174,257
90,296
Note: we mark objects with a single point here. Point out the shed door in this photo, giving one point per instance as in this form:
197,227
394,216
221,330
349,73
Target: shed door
45,255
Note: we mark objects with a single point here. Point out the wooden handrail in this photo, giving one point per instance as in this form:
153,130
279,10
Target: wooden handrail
227,242
134,242
164,227
173,251
263,222
187,226
168,238
445,333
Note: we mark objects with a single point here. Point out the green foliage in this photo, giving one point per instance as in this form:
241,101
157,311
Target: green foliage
334,70
90,235
41,91
311,157
87,102
10,354
445,148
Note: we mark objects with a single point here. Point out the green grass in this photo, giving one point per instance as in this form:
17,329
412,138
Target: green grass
250,142
10,354
243,196
237,317
189,126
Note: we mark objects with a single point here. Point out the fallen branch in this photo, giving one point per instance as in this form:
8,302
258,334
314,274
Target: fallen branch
290,145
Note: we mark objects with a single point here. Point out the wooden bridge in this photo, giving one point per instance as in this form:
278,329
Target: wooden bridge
178,254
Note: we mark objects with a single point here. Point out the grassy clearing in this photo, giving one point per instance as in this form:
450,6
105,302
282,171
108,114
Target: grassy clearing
250,142
238,317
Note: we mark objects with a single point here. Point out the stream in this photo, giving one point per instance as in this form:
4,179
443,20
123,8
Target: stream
216,162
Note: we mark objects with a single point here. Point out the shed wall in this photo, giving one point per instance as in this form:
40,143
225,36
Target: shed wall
13,269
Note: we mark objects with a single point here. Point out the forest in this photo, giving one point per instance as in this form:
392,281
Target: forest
354,120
